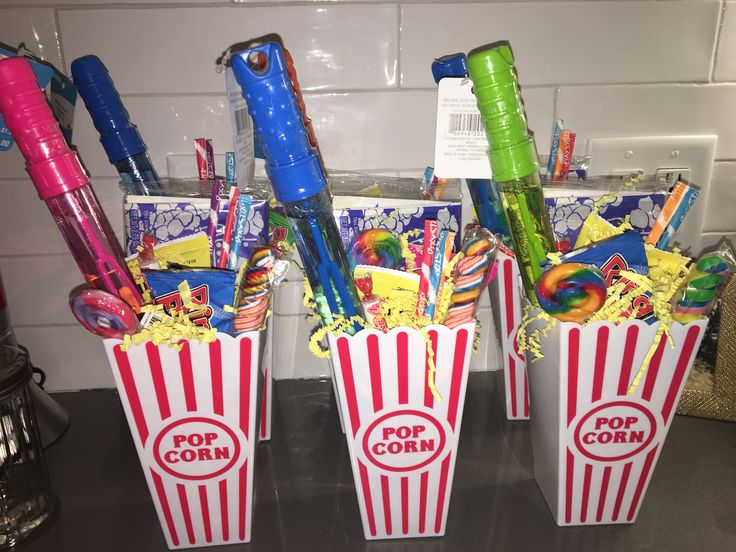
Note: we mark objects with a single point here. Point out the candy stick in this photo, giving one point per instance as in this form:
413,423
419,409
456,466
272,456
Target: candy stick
430,242
443,278
688,198
200,148
217,186
555,146
230,167
210,159
669,208
569,147
442,254
227,237
244,204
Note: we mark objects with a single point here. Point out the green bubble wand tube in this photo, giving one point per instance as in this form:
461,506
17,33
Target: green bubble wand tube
513,159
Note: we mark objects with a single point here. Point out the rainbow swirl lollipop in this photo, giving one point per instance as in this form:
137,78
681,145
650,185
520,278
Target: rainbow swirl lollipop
571,292
376,248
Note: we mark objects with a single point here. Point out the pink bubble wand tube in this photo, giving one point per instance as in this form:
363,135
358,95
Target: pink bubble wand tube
62,183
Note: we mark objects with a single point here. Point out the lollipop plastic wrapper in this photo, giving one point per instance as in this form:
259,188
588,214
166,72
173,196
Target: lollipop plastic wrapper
263,273
371,303
472,273
571,292
707,279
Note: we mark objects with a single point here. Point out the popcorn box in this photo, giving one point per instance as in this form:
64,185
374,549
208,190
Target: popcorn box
595,445
169,218
402,441
506,291
566,214
192,414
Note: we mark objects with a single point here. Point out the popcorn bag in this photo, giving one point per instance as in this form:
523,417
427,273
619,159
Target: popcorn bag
402,440
507,316
192,414
595,444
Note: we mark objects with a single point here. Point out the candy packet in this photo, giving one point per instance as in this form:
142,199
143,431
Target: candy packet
205,295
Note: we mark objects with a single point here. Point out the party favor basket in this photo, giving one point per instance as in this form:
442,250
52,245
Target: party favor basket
401,437
595,443
192,414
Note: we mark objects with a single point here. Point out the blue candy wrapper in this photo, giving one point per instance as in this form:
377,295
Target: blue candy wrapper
213,289
614,255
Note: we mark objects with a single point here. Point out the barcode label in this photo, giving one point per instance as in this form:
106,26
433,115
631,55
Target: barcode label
241,120
465,123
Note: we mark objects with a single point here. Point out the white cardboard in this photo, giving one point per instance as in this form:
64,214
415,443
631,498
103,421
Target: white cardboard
595,446
402,442
506,293
192,415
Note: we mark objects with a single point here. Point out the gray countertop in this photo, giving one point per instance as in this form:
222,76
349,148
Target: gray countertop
305,498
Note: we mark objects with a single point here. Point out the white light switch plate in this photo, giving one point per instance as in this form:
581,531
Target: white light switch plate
654,153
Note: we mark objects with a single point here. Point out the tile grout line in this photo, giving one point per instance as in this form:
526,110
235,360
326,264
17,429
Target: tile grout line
717,41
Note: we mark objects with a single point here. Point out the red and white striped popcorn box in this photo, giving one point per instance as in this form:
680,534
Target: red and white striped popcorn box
506,293
402,441
192,415
595,445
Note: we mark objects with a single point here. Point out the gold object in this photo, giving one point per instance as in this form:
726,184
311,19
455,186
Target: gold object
720,401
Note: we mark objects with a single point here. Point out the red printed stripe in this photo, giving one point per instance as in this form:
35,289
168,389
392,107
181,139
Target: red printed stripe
386,504
573,354
131,392
509,292
242,499
682,364
367,498
402,353
205,507
374,364
405,505
187,376
628,361
461,342
653,369
216,367
526,394
621,490
642,481
161,492
423,480
586,492
512,384
600,363
245,375
184,503
346,366
264,403
428,397
441,493
604,492
157,375
569,473
224,518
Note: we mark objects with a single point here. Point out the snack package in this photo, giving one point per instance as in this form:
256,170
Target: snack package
203,294
193,251
614,257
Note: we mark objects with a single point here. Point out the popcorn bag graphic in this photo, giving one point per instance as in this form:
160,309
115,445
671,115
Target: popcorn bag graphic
402,440
596,445
192,415
506,291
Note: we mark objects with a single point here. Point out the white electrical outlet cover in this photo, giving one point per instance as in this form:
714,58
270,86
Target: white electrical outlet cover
652,153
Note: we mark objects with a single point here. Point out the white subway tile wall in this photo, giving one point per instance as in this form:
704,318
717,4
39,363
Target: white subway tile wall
609,68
